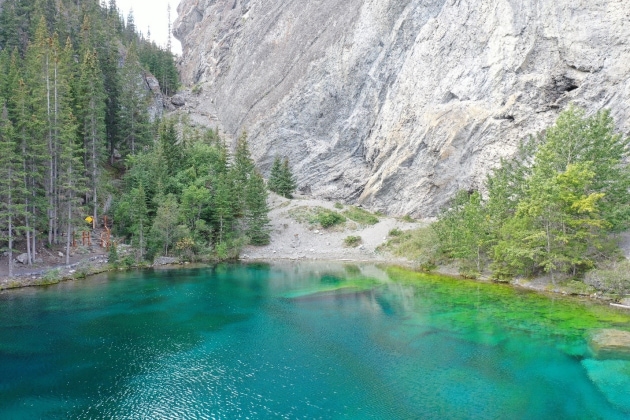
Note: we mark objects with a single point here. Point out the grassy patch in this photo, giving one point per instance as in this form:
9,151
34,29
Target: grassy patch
361,216
395,232
338,206
352,241
420,245
52,276
317,216
407,218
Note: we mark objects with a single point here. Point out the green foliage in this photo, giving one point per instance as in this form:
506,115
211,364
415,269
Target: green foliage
419,245
256,210
317,216
69,105
330,218
112,255
352,241
51,276
181,195
407,218
338,206
462,231
281,179
361,216
395,232
550,209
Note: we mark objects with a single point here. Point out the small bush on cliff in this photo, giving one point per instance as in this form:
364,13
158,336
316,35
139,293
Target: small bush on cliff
330,218
352,241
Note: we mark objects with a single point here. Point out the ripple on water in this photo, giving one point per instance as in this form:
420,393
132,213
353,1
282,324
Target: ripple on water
302,342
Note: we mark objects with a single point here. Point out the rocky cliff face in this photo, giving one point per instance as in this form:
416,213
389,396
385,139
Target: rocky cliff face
397,104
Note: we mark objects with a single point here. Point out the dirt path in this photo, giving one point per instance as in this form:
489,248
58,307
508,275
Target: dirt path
295,240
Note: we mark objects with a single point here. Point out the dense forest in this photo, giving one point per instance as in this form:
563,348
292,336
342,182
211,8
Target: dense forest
74,121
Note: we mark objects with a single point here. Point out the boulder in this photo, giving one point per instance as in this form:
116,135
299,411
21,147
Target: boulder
178,100
22,258
165,261
610,344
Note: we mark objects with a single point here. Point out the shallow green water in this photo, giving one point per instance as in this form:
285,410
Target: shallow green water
302,341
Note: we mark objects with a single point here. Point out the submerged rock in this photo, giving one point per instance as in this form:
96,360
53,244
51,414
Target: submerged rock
612,378
610,344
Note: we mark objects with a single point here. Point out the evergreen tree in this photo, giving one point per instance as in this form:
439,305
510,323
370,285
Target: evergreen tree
287,182
140,220
242,170
71,179
165,224
256,211
173,153
553,208
275,176
10,183
223,205
133,104
92,120
36,128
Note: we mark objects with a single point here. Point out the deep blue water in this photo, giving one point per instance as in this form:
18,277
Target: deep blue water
302,341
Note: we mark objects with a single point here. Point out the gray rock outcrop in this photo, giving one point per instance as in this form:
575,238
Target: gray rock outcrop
156,105
22,258
165,261
397,104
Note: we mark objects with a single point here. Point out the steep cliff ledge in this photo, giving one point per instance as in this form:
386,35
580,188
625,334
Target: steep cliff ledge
397,104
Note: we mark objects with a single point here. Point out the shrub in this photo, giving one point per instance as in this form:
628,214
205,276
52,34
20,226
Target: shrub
361,216
51,276
338,206
407,218
395,232
352,241
112,255
330,218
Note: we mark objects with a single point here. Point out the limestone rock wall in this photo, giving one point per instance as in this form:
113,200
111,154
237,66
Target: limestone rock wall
397,104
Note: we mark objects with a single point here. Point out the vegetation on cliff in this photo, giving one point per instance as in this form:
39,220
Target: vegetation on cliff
554,209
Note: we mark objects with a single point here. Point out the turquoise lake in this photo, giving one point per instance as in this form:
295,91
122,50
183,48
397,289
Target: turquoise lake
303,341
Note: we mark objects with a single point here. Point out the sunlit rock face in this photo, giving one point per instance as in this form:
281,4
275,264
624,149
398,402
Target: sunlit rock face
397,104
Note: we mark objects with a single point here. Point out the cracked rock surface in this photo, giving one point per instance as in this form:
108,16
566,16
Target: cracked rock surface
397,104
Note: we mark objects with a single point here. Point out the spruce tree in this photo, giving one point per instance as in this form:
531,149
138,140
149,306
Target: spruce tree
71,179
287,183
92,120
133,103
256,211
10,183
242,170
139,218
276,175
